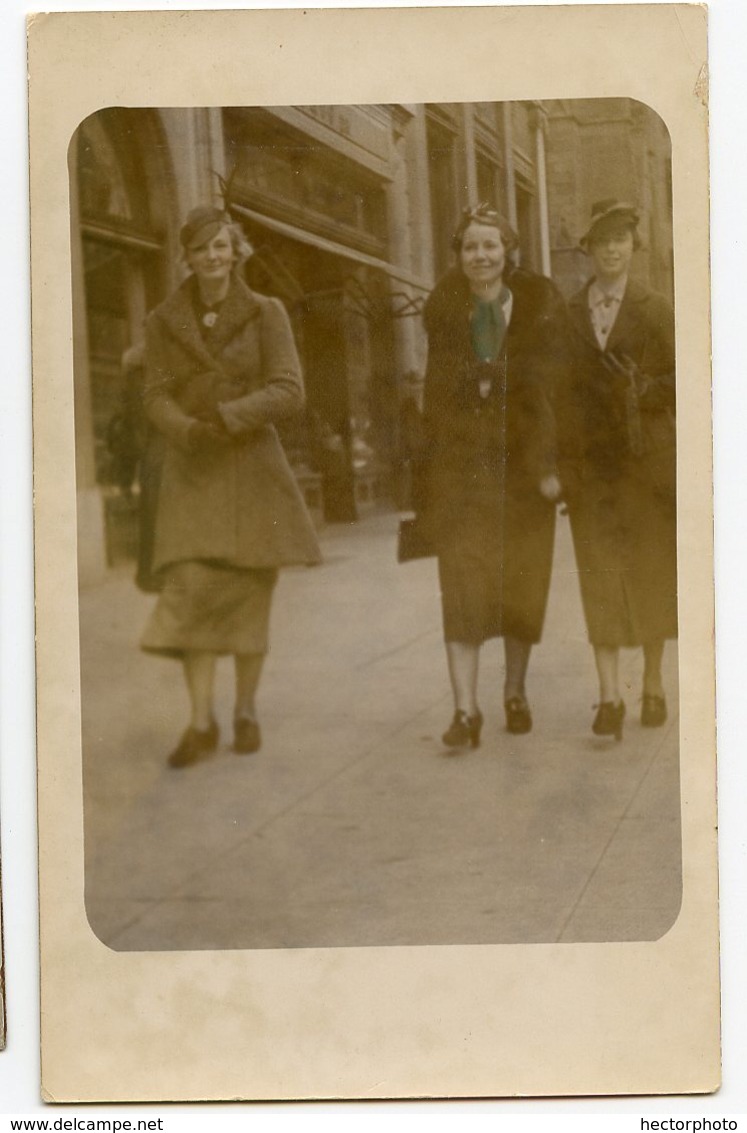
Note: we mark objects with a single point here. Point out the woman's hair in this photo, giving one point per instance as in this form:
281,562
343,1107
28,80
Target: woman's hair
239,242
483,213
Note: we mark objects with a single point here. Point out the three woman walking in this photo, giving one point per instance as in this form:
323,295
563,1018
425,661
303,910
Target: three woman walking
526,402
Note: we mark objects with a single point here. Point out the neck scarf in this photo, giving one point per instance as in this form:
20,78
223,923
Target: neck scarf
489,326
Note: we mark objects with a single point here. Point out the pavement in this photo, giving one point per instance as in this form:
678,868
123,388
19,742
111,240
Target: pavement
353,826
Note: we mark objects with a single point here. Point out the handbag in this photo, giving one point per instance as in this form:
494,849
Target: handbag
412,542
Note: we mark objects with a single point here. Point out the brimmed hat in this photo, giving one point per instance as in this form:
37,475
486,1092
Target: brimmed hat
610,209
201,225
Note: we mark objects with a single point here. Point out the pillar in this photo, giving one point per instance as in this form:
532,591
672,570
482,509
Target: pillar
90,504
538,125
470,156
508,163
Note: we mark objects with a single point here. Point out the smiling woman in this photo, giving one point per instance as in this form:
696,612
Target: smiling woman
221,371
489,482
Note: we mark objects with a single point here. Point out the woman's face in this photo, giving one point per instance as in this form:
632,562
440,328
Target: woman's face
612,252
482,255
212,261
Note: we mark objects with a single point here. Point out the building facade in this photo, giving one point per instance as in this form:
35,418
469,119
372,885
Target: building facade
350,210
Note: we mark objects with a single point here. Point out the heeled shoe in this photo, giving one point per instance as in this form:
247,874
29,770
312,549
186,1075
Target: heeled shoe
194,746
653,711
464,730
247,737
609,719
518,716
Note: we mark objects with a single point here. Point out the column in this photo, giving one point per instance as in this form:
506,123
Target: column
193,146
470,157
508,162
538,124
418,196
401,239
90,504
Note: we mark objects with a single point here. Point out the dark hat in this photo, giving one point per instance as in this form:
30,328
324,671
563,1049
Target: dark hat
201,225
610,209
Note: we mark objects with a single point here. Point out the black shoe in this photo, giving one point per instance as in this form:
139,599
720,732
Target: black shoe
518,716
247,737
464,730
609,719
653,711
194,746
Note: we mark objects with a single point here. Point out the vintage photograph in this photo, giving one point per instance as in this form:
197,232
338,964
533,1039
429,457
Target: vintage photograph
377,524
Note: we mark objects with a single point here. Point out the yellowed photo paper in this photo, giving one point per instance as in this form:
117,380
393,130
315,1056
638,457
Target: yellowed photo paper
2,973
373,539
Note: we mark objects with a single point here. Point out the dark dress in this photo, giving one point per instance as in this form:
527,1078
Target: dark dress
618,469
478,496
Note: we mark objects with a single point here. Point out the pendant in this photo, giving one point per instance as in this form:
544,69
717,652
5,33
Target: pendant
485,385
210,318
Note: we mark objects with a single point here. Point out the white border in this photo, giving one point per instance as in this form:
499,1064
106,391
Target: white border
19,1076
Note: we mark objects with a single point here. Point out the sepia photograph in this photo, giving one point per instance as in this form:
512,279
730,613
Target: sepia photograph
374,570
295,326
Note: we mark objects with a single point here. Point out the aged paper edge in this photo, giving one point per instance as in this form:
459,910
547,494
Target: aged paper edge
565,1019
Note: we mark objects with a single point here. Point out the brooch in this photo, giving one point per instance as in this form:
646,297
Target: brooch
210,318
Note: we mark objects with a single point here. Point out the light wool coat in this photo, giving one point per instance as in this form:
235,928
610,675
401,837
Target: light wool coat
239,506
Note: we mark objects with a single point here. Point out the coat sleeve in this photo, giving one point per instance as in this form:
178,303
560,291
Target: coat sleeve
161,409
542,374
282,393
658,382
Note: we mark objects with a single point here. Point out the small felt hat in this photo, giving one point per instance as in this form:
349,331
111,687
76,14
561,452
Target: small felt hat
609,209
201,225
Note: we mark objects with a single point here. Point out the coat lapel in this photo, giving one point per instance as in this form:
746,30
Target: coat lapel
628,323
581,322
239,308
178,314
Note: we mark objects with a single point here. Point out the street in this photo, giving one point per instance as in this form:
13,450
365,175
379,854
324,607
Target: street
353,826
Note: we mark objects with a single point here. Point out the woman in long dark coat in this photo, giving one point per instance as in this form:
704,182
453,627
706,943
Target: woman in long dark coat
221,372
618,464
489,483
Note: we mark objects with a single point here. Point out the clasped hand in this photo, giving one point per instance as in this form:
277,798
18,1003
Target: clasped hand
205,437
551,488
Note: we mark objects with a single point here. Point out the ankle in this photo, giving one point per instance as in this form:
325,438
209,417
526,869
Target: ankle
245,714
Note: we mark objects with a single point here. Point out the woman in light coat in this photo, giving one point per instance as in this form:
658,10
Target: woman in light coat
221,372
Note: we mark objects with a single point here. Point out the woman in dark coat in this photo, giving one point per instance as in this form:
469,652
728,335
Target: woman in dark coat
489,483
618,464
221,372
